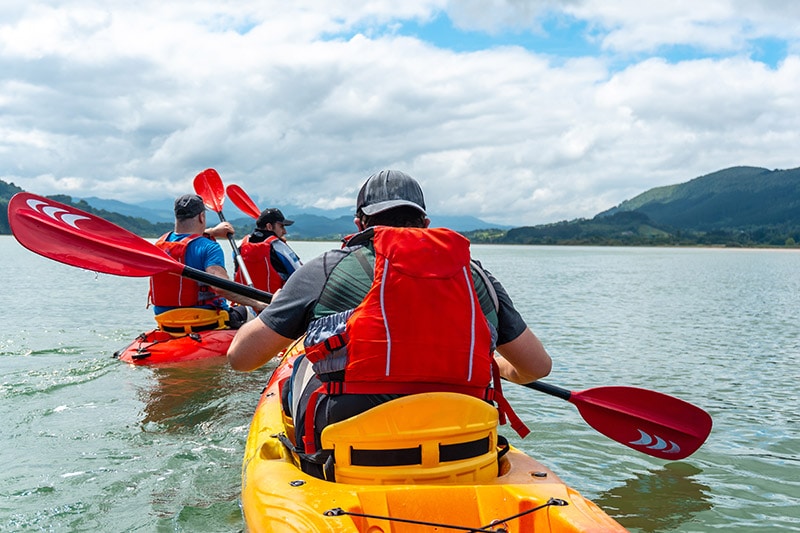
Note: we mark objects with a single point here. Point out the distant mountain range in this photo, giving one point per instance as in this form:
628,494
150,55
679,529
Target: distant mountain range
333,224
739,206
154,218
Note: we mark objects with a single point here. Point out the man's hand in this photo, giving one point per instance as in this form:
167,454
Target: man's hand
221,230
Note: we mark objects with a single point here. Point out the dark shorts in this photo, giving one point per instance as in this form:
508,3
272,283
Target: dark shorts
237,316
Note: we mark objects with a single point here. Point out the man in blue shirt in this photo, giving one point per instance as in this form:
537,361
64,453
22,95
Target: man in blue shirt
192,244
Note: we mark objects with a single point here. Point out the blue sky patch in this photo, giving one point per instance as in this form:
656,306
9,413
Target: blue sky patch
769,51
561,38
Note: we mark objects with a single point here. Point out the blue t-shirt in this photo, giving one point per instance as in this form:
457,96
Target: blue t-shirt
200,254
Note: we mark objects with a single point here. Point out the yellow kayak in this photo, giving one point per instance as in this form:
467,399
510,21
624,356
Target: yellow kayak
450,477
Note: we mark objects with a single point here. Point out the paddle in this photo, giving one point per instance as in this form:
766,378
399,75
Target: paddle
209,186
74,237
241,200
647,421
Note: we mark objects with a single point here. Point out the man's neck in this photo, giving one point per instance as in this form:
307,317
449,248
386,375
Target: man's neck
190,226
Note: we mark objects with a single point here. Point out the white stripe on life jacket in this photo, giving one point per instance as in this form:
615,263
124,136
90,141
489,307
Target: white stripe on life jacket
471,324
385,319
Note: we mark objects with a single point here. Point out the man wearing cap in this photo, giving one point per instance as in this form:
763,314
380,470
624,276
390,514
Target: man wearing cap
399,309
193,245
268,258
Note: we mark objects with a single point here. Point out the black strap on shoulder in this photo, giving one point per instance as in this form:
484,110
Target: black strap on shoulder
367,260
362,237
487,283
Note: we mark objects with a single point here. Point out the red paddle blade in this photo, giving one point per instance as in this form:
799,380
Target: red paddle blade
74,237
209,186
647,421
241,200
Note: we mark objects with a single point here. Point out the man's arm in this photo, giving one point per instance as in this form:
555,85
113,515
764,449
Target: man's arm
220,272
524,359
254,345
284,259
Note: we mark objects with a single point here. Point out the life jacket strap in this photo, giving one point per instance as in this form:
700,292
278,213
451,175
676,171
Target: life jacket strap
309,438
503,406
335,342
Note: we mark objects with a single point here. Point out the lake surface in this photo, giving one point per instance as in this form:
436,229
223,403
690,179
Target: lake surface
91,444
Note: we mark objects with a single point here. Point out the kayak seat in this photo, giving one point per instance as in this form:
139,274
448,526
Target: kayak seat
186,320
428,438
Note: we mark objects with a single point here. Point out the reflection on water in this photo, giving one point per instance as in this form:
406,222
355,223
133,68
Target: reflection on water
197,412
661,499
183,397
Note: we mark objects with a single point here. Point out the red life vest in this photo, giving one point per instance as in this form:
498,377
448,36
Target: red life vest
420,328
170,290
256,257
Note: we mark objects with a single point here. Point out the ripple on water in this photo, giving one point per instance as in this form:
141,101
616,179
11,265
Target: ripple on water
35,379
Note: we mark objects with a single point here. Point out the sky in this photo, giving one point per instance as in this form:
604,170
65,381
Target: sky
517,112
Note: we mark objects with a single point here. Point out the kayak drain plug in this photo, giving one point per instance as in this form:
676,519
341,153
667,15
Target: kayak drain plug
539,474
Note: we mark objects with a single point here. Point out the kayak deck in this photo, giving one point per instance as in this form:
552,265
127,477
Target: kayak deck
277,496
159,347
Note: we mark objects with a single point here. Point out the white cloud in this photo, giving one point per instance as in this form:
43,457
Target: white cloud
628,26
299,102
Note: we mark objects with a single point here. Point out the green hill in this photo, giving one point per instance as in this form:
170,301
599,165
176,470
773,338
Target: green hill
738,198
137,225
618,229
7,190
739,206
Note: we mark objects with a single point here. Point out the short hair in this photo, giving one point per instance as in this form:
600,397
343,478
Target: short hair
399,217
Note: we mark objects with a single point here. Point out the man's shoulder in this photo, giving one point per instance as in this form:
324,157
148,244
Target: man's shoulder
173,237
203,240
327,260
204,245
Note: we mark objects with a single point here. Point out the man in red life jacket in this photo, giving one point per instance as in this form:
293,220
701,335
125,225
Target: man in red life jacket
399,309
269,260
193,245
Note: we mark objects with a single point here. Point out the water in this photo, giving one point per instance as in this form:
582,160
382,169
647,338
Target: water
91,444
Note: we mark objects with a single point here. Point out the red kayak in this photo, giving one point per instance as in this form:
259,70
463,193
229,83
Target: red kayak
159,347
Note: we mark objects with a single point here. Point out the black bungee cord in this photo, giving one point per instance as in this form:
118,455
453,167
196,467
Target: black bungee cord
338,511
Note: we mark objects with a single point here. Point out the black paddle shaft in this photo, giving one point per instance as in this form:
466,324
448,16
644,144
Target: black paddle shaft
222,283
552,390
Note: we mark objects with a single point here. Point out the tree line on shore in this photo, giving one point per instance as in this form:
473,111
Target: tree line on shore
736,207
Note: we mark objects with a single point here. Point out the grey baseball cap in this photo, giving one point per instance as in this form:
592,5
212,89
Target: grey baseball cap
387,189
188,206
